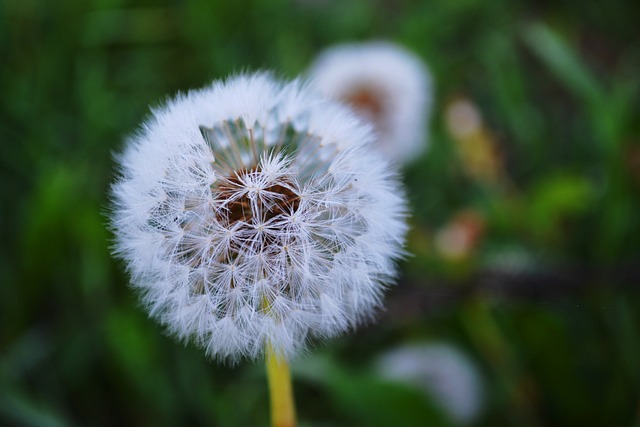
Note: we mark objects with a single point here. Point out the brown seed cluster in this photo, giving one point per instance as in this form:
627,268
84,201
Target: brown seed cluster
367,102
283,201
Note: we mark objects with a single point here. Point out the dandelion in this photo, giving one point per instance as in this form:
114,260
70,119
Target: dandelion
252,217
387,85
442,372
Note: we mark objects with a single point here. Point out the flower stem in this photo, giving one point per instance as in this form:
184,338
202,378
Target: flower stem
283,412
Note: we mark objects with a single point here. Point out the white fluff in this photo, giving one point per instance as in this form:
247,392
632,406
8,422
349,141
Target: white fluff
440,370
250,212
387,77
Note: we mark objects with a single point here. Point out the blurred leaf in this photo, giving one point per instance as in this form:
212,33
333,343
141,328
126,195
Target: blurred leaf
25,354
555,202
564,63
136,359
132,343
618,111
18,409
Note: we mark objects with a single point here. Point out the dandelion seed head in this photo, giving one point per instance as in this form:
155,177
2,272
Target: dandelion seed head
251,213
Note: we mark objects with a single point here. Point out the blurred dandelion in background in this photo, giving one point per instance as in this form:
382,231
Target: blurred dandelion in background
446,376
387,85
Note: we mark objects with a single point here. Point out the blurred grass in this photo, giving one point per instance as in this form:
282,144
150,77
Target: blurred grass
557,86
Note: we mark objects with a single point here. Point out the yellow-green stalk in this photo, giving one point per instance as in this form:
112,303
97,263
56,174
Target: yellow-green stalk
283,413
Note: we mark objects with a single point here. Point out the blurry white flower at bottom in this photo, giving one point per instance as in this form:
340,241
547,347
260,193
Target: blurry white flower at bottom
442,372
251,215
387,85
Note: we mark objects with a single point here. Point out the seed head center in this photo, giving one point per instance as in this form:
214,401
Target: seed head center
366,101
259,205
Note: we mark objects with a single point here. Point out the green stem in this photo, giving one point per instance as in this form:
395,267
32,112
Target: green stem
283,412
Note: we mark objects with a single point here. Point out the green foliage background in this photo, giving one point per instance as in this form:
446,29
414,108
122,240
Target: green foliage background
557,341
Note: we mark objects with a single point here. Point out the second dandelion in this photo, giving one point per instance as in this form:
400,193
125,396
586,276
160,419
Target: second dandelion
386,85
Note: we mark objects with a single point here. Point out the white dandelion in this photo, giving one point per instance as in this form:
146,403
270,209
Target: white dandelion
387,85
250,214
446,375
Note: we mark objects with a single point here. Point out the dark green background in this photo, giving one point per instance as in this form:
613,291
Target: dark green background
557,340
